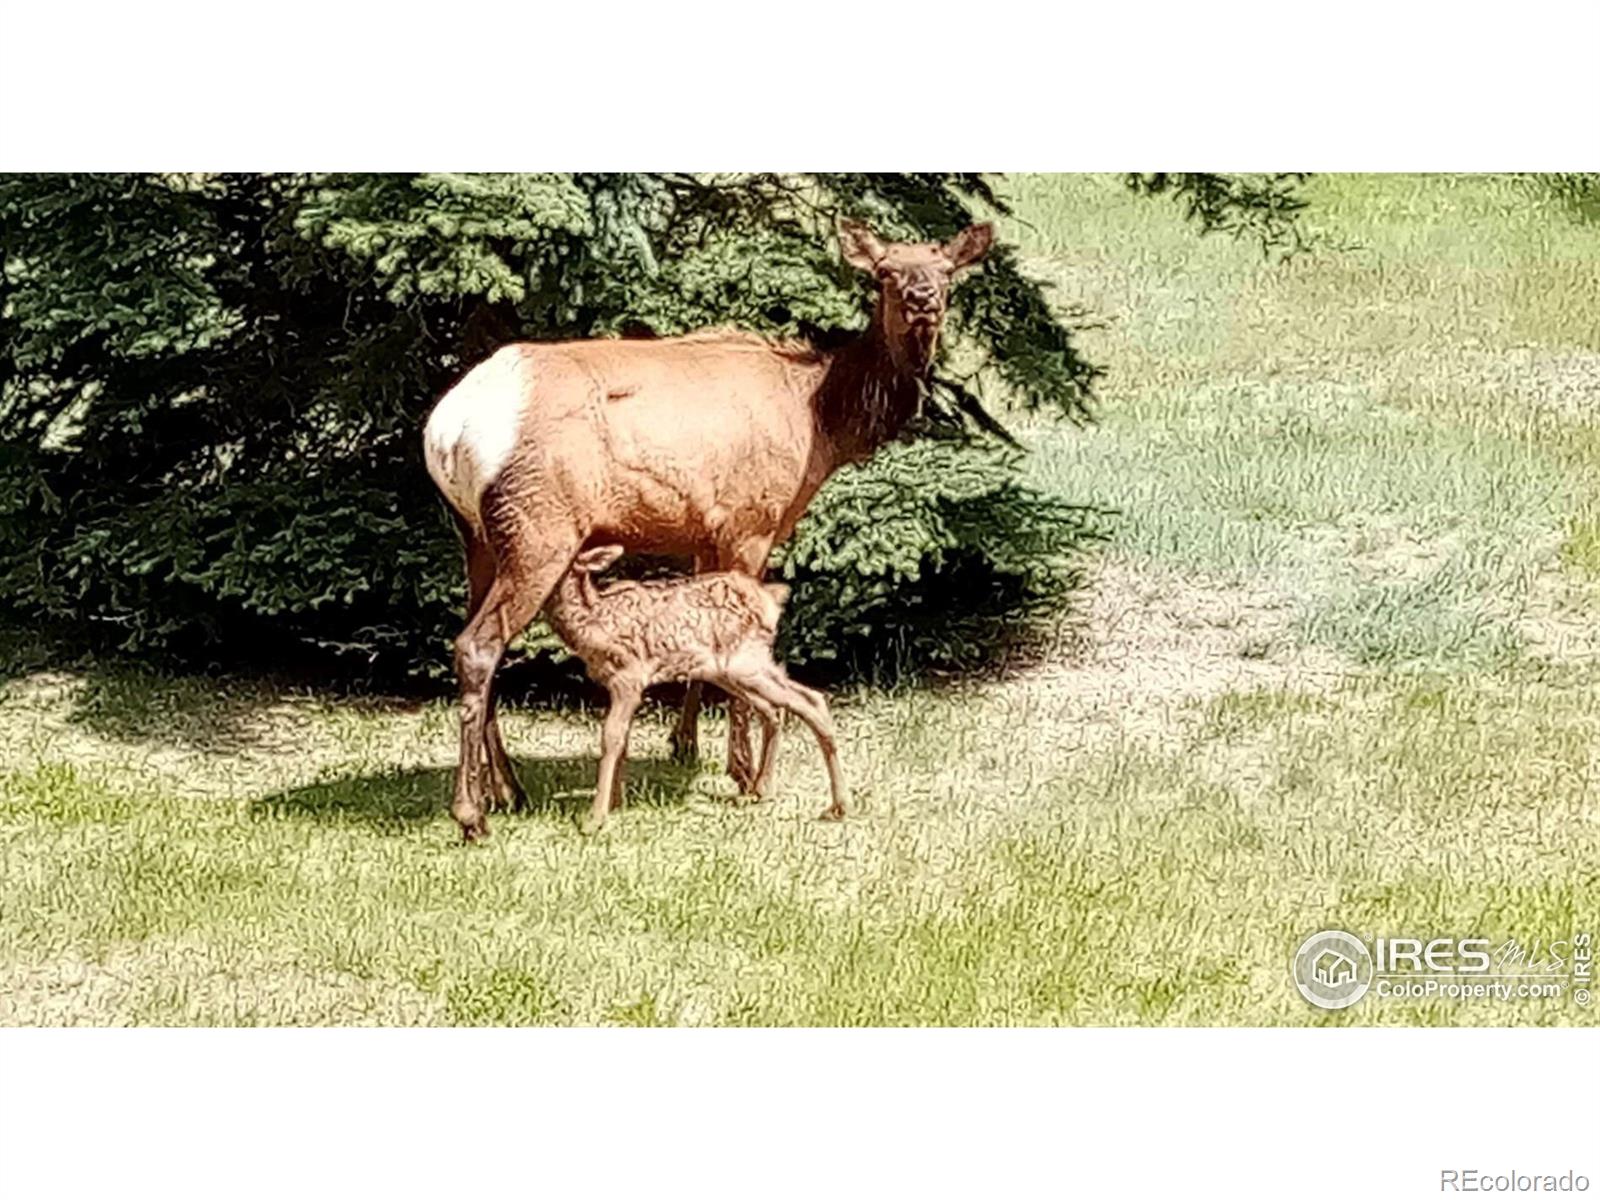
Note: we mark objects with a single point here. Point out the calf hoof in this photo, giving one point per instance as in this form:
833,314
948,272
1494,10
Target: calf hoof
589,824
477,831
832,813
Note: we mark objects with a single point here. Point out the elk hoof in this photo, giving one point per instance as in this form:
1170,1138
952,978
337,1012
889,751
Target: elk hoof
514,797
507,796
476,831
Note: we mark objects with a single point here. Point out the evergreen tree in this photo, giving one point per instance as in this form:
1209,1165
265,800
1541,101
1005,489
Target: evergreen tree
211,391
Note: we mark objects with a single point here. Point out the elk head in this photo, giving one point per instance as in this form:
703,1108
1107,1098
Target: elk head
913,285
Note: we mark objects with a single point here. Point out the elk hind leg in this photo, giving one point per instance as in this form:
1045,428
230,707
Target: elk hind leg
528,572
749,558
506,791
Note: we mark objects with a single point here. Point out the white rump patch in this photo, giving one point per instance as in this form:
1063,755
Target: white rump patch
473,429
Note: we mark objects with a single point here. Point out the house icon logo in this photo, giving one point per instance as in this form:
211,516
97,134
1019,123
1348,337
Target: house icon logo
1332,969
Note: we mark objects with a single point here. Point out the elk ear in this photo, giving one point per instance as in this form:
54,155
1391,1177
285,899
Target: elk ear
592,562
971,244
862,249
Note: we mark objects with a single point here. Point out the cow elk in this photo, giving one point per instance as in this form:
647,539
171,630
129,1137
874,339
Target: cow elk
709,445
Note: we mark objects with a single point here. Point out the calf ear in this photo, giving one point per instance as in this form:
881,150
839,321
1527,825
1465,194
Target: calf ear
596,560
862,249
971,244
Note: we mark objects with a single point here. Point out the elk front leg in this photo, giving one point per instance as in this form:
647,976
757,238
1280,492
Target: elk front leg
686,733
748,558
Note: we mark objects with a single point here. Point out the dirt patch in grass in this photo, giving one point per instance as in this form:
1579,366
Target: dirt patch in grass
1155,642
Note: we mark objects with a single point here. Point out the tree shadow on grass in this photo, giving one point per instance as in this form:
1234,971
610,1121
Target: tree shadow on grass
121,700
195,712
218,712
391,801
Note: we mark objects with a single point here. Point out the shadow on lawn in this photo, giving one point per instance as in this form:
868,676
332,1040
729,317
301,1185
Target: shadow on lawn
123,700
558,789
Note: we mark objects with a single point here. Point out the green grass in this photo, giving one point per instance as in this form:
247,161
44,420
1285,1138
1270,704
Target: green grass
1580,551
1338,670
1433,392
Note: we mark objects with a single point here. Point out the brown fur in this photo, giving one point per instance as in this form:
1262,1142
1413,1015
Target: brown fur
717,628
709,445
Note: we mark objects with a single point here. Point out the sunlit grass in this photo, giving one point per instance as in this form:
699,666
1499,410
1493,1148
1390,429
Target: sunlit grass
1404,435
1130,883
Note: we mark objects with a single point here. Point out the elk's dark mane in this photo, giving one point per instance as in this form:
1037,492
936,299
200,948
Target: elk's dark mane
865,399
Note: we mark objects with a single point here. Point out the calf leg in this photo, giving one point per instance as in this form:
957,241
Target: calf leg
771,727
625,698
771,683
741,756
616,779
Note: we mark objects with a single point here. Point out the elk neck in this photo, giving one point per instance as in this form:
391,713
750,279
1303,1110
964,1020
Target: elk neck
867,395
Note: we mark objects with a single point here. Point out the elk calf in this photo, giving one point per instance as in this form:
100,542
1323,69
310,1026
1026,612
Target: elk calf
715,628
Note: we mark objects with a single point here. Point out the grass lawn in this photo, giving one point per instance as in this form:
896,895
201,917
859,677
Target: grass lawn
1337,668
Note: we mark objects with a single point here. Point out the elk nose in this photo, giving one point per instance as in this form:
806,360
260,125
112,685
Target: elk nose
923,301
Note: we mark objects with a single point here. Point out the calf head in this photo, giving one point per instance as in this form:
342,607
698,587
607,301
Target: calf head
913,281
583,570
596,559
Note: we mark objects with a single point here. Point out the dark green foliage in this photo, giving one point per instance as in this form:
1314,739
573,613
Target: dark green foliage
212,388
932,555
1264,207
1579,190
